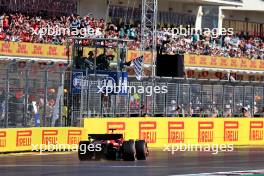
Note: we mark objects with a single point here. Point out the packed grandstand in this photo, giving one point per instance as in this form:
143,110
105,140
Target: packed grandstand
19,27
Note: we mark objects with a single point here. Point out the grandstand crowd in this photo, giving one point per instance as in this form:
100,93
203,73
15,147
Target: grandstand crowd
18,27
25,27
235,46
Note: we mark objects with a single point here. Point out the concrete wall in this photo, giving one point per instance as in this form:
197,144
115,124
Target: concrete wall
252,10
178,7
198,23
97,7
257,16
249,5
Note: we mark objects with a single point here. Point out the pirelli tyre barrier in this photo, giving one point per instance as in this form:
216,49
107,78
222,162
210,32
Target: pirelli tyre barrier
34,139
163,131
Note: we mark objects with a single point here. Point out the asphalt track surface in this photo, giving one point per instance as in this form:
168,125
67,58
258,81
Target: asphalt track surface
159,163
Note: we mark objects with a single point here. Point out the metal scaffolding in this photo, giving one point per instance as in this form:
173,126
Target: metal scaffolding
149,28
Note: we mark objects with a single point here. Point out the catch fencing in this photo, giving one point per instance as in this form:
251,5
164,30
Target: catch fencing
184,98
32,94
40,95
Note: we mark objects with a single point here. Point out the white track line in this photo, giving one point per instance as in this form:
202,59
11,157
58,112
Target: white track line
228,172
10,165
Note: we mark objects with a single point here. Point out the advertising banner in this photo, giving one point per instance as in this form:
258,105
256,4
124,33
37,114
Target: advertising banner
163,131
24,49
222,62
29,139
132,54
33,50
80,78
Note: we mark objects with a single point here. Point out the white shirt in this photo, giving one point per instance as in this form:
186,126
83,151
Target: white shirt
1,23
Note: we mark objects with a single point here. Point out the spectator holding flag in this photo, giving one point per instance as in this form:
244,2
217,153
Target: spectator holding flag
138,68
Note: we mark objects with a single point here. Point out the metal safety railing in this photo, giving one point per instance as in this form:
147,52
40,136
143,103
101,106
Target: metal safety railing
31,94
184,98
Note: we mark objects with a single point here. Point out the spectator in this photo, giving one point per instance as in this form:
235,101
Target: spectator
246,112
215,112
180,112
172,109
228,111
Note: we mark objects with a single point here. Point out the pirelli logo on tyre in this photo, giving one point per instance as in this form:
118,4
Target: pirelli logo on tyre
256,131
74,136
2,139
49,137
175,132
147,131
205,131
231,130
23,138
116,127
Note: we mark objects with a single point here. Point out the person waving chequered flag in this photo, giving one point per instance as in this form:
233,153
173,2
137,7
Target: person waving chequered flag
138,68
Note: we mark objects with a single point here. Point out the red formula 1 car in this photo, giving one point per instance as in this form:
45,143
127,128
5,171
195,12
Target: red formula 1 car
112,147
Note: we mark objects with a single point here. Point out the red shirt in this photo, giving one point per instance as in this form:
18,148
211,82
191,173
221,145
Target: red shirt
35,26
5,23
25,37
2,36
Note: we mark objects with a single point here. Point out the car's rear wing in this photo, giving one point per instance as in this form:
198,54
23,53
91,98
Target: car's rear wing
105,136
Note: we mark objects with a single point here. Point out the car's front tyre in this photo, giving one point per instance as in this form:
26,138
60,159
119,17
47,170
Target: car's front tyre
141,150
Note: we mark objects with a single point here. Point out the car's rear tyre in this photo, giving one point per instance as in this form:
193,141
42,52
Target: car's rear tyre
128,151
83,152
98,156
141,150
111,152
